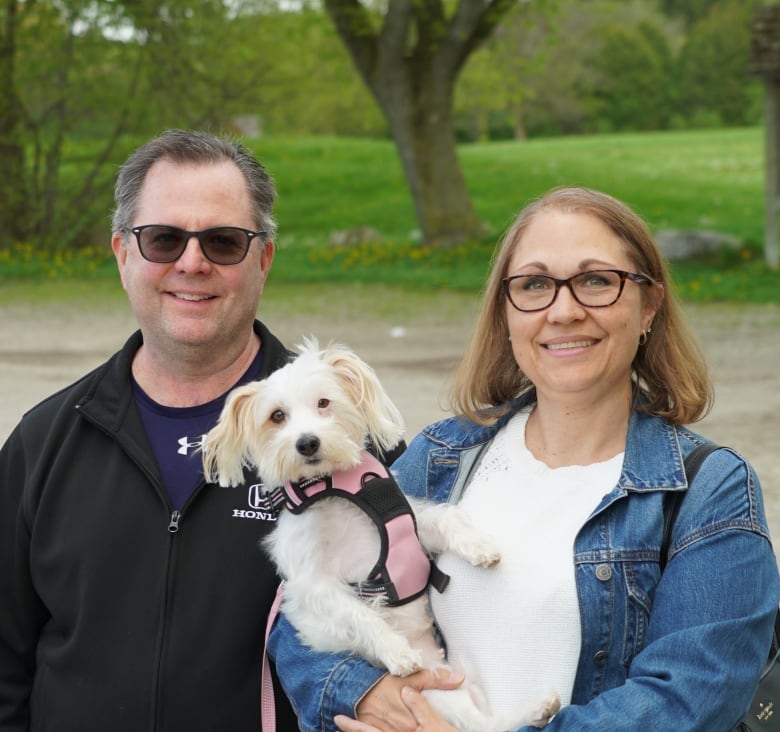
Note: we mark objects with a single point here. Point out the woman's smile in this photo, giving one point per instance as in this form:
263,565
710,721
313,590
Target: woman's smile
570,345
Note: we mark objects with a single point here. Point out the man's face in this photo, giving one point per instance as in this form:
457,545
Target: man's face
193,305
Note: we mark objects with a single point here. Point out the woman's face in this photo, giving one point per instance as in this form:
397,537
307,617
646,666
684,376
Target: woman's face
569,351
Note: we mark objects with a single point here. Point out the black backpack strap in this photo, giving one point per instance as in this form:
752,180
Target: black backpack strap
672,501
775,650
671,507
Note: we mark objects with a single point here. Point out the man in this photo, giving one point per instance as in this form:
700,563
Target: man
133,596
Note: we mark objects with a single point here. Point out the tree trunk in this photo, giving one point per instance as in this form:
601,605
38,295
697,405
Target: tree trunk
419,113
772,172
519,120
410,66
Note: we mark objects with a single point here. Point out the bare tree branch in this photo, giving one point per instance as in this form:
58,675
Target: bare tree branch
473,23
353,24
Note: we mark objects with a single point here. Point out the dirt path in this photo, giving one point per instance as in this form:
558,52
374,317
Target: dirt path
412,342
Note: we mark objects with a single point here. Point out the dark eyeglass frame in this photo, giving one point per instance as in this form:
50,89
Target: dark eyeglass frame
640,279
201,236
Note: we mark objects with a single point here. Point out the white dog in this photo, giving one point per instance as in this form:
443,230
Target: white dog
355,572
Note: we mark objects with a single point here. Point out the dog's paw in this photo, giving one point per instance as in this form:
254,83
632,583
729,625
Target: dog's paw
478,552
544,709
489,555
404,662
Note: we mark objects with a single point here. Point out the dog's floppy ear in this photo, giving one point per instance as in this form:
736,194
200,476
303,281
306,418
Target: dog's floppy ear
225,446
383,420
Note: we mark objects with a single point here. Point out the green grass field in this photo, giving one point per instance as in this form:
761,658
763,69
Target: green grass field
683,180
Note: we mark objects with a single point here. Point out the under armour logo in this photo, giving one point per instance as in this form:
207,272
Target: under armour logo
185,445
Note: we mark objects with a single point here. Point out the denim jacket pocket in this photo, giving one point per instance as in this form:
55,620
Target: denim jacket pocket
641,574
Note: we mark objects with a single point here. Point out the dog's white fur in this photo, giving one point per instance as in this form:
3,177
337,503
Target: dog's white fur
331,400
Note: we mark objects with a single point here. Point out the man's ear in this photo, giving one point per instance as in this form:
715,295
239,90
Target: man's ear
267,256
119,247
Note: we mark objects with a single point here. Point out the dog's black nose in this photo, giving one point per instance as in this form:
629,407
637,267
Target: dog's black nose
307,445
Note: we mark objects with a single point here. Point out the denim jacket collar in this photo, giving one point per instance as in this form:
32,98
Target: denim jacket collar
653,457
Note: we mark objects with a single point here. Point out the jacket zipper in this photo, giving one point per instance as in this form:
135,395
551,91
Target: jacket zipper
158,701
173,526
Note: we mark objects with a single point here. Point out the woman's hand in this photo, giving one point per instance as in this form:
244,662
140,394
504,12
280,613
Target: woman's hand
396,705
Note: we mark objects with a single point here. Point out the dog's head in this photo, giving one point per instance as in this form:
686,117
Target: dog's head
312,417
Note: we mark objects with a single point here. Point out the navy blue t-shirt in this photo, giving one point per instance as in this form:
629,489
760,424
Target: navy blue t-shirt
176,435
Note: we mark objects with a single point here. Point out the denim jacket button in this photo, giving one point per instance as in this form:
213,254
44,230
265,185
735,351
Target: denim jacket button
603,572
600,659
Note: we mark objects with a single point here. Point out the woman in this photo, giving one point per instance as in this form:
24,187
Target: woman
573,393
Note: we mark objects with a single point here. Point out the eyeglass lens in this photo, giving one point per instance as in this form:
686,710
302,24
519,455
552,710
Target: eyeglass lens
223,245
593,289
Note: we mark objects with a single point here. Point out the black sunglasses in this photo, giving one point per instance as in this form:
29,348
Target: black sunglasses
221,245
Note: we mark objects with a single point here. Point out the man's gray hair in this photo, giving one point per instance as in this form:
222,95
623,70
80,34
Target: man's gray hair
188,147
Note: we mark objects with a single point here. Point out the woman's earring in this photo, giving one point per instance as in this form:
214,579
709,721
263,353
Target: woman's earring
644,336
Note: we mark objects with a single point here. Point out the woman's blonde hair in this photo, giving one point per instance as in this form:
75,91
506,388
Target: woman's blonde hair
669,370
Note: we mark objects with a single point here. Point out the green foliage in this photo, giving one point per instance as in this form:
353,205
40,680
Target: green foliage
607,65
689,10
569,65
295,77
493,93
54,63
633,87
81,83
113,74
682,180
714,83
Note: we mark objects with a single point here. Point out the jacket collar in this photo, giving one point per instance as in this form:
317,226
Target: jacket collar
653,456
109,397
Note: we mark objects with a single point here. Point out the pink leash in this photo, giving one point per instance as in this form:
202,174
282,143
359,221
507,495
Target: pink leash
267,705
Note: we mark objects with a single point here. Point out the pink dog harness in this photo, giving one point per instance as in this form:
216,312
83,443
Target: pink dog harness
403,570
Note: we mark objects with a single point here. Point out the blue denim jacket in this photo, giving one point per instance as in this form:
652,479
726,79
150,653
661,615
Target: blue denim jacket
682,651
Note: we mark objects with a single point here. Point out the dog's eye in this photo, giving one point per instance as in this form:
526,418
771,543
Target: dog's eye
278,416
323,403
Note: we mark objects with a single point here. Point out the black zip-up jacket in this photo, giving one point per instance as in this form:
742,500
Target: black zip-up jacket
116,613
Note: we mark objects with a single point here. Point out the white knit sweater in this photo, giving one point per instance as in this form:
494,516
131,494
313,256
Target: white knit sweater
516,627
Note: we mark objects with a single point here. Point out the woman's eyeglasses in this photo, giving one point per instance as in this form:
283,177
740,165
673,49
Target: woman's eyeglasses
595,289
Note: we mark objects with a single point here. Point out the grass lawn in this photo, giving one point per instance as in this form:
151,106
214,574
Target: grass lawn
683,180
